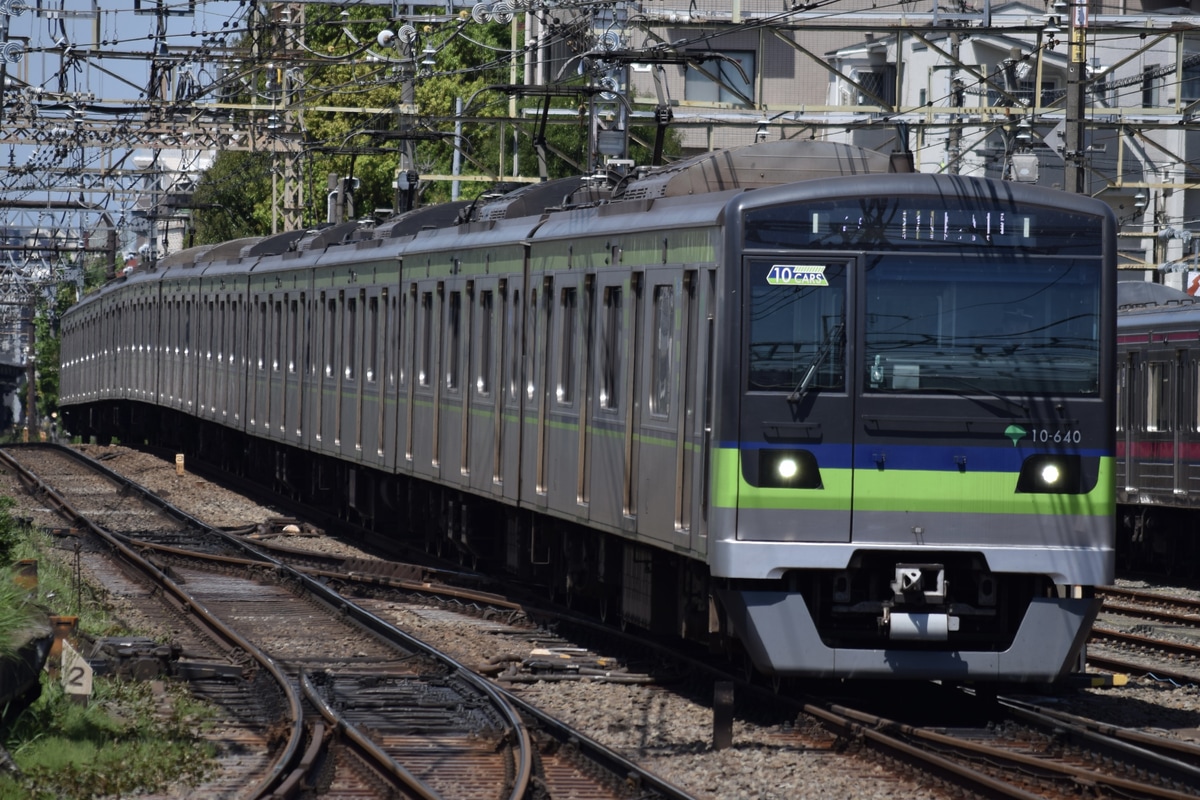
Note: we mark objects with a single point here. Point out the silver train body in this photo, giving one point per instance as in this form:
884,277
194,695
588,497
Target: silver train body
760,399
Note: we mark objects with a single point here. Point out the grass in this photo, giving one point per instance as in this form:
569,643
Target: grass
15,616
126,741
129,739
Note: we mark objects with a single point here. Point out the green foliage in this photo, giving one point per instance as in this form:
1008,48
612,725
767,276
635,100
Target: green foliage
95,273
59,586
357,120
126,741
47,346
15,614
233,197
10,531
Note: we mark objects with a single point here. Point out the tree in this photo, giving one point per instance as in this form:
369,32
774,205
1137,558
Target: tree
47,346
351,68
232,198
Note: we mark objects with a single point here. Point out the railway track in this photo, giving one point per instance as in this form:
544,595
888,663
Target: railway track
1045,757
1148,633
401,707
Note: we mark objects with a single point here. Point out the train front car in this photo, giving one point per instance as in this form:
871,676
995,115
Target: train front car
914,466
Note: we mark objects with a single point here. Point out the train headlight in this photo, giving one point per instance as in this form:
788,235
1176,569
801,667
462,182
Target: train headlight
783,469
1050,473
787,468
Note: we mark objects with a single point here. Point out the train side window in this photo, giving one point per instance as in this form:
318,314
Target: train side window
565,391
453,340
610,349
233,340
483,380
531,342
423,376
262,335
1122,412
513,335
277,338
1195,405
330,336
662,347
395,369
350,353
373,341
212,331
293,335
1158,396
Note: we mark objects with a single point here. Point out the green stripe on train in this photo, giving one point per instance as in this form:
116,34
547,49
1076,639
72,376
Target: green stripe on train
910,490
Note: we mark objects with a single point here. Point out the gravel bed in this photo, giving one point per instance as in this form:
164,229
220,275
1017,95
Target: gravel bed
655,727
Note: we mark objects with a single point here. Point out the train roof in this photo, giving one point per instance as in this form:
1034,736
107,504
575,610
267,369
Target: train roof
1135,294
1146,306
756,166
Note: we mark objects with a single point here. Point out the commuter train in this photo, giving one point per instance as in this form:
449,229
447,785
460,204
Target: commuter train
1158,428
845,420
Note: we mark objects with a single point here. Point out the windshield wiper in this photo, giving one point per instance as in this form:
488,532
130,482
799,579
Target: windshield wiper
810,374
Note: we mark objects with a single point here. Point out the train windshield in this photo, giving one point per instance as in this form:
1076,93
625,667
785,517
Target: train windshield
797,327
1005,324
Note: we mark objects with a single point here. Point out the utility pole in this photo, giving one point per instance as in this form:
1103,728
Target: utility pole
1076,75
957,97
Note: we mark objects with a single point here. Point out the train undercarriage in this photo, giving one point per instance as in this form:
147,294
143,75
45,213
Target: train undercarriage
1160,539
573,565
834,619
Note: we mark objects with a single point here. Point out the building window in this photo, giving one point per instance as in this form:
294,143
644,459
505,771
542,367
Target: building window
717,80
1190,85
878,86
1150,88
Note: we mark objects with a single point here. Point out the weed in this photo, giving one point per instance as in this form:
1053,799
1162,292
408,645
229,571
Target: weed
127,740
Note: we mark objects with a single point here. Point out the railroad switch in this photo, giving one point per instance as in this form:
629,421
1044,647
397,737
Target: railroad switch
136,657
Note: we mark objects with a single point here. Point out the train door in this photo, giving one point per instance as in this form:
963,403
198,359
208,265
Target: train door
539,313
587,403
662,359
509,424
795,338
424,396
407,347
560,457
1177,383
1126,395
481,432
455,340
351,374
608,486
235,363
